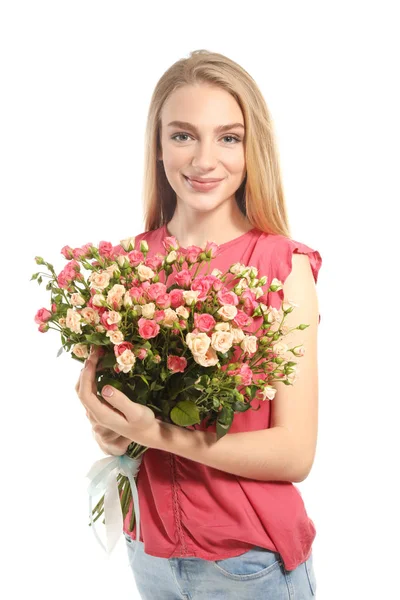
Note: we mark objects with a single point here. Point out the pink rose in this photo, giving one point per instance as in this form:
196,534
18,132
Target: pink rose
43,327
241,319
136,293
105,321
42,316
163,301
176,297
192,254
67,251
204,322
118,251
227,297
211,249
183,278
170,243
176,364
159,315
148,328
154,261
203,285
141,353
135,257
105,249
120,348
155,289
217,283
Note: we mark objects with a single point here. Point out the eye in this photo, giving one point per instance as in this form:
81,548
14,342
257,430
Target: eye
233,138
180,135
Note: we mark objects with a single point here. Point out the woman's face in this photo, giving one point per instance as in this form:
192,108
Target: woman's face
194,147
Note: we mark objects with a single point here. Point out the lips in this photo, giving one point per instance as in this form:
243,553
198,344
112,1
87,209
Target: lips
202,180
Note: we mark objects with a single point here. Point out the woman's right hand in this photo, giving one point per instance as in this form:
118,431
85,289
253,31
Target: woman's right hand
109,441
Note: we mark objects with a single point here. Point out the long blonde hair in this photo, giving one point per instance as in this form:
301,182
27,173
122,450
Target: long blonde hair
260,196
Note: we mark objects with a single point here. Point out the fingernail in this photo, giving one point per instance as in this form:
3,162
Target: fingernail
107,391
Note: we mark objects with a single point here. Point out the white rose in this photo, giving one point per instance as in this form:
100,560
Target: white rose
209,359
90,315
123,261
170,317
145,273
216,273
221,341
128,244
227,311
299,350
62,321
100,280
113,317
238,335
115,336
183,312
81,350
138,308
249,344
100,328
115,295
222,327
198,342
113,270
98,300
276,282
190,296
77,300
237,268
253,272
279,348
268,392
126,360
73,320
127,300
292,377
241,285
171,257
148,310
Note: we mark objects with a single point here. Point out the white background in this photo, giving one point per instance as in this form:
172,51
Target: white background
76,81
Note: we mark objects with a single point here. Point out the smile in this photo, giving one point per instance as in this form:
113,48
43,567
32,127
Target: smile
202,186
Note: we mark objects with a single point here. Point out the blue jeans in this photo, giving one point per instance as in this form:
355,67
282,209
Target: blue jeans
257,574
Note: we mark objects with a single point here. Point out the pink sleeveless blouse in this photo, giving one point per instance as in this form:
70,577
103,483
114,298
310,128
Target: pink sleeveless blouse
188,509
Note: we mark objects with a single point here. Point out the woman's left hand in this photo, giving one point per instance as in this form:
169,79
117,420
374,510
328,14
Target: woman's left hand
116,421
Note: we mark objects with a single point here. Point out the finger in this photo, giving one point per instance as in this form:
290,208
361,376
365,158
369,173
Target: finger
86,377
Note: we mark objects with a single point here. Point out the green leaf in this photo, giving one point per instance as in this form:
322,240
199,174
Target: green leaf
34,276
224,421
185,413
107,361
39,280
99,339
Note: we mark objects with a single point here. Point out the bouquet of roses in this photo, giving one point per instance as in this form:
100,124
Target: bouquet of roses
181,350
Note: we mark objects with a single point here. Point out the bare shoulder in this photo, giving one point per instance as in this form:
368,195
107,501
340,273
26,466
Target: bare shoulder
295,407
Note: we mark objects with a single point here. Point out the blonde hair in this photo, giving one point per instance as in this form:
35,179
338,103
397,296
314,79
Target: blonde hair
260,196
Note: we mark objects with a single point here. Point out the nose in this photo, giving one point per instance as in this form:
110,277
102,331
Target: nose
205,156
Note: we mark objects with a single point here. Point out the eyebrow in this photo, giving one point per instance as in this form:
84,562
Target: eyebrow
219,129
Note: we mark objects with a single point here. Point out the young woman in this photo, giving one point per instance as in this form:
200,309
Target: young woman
222,519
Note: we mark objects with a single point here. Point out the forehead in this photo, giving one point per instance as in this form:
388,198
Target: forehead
201,104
